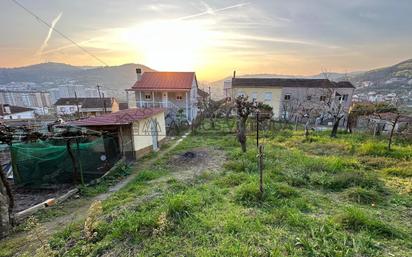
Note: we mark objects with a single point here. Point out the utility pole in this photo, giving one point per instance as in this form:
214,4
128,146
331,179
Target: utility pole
104,104
98,90
77,105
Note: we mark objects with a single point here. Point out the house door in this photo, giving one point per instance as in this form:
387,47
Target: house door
154,133
164,99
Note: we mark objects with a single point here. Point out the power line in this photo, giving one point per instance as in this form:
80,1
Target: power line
58,32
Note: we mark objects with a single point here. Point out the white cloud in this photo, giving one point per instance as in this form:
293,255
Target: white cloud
46,40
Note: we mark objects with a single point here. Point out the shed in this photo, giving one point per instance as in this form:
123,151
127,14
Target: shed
137,130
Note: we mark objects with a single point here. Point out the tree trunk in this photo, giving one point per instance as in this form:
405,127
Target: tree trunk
335,127
307,128
261,169
391,134
6,206
296,123
73,158
242,133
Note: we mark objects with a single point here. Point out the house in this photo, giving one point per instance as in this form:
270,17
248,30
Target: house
279,92
11,112
137,130
173,91
88,106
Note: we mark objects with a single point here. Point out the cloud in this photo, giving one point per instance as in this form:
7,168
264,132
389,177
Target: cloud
46,40
211,11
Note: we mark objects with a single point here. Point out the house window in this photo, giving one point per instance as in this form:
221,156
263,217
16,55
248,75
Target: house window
268,96
179,97
287,97
322,98
254,96
62,109
72,109
309,97
345,97
147,96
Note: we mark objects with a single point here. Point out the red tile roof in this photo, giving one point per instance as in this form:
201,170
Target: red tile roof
157,81
122,117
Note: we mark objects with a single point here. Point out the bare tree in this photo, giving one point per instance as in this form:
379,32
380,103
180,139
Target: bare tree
243,109
307,111
391,114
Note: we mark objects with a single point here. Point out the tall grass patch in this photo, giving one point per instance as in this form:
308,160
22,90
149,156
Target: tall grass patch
357,219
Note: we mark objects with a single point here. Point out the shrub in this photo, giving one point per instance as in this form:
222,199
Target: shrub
362,195
357,219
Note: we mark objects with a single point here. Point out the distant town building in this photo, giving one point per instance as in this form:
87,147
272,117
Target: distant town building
89,106
11,112
277,92
25,98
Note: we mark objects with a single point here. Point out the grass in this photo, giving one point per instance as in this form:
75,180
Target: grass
322,197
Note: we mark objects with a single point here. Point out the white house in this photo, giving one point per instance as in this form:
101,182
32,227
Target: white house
172,91
11,112
88,106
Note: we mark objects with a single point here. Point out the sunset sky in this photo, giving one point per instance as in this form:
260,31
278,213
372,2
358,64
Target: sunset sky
211,37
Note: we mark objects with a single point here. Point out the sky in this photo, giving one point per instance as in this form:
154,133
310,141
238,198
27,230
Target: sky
211,37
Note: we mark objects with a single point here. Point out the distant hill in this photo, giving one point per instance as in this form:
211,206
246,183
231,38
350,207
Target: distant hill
113,77
396,79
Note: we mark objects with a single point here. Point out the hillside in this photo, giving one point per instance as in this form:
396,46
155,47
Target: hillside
396,78
113,77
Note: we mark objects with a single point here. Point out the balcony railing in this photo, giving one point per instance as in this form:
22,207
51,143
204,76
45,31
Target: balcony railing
162,104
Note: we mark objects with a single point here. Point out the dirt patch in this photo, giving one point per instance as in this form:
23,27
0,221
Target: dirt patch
27,197
195,162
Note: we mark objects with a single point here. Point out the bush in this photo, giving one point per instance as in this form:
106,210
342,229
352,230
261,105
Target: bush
362,195
357,219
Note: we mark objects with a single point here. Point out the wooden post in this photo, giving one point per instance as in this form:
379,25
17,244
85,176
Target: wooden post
257,129
73,159
80,161
260,155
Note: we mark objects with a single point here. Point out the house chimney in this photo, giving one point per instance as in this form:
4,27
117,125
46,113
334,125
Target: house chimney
139,73
234,74
6,109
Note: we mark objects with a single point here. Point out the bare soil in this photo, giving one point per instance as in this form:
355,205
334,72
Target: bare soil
27,197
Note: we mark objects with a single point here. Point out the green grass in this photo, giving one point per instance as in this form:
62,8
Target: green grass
322,197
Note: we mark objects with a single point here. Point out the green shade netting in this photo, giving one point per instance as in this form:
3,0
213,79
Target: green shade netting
49,163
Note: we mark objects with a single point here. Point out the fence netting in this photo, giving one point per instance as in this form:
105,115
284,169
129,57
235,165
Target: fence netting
53,162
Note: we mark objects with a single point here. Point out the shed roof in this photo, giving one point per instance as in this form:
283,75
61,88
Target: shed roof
86,102
122,117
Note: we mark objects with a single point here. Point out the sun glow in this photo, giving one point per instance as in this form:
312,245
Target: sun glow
169,45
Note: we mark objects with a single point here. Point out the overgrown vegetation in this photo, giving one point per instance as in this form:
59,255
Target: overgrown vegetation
346,196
